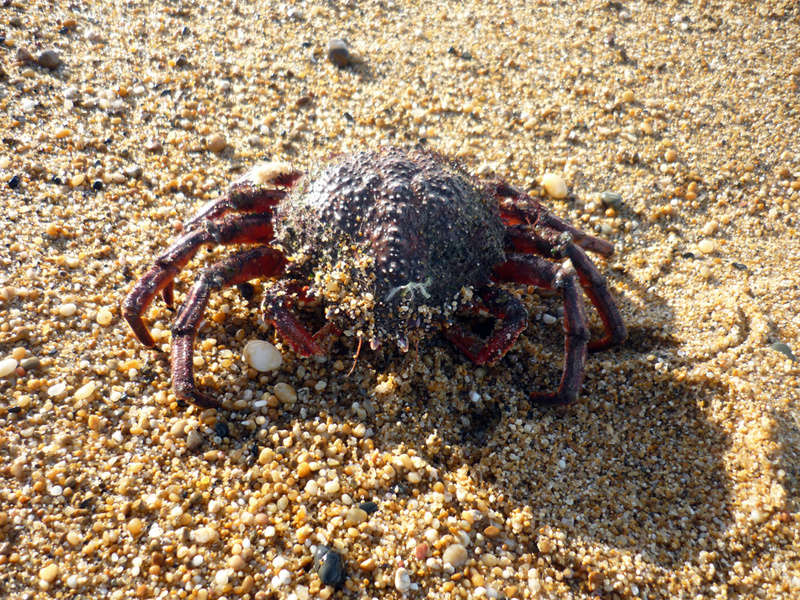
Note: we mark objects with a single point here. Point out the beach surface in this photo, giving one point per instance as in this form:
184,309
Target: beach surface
676,129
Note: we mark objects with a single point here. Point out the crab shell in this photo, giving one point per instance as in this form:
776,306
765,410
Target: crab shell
393,241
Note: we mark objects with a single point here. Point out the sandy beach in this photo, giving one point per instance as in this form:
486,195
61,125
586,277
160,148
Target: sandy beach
676,474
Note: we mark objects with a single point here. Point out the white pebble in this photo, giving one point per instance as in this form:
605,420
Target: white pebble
262,356
57,389
197,560
554,185
548,319
86,391
284,577
8,366
68,309
221,578
402,580
331,487
707,246
455,555
204,535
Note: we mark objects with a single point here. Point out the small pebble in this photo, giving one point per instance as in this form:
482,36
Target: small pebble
368,507
57,389
135,527
285,393
154,146
455,555
554,185
216,143
329,566
133,171
612,199
783,349
85,391
332,487
31,363
402,580
25,57
193,439
49,573
707,246
262,356
68,309
104,317
545,546
8,366
49,59
670,155
205,535
355,516
548,319
74,538
421,551
339,53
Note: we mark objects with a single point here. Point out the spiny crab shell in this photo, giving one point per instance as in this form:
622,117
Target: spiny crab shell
393,241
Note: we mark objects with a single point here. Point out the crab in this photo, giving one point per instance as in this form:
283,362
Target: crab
394,243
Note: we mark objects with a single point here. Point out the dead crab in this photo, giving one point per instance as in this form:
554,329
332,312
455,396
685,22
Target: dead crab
394,243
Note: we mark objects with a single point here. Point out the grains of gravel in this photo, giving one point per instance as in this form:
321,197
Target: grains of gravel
674,475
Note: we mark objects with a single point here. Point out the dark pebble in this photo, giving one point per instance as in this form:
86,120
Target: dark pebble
368,507
221,429
612,199
25,57
97,185
783,349
329,566
49,59
30,363
247,290
13,183
339,53
739,266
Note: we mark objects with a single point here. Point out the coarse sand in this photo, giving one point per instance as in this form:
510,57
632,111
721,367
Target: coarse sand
676,129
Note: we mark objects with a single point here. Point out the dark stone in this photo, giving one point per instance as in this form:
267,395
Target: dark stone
339,53
49,59
13,183
369,507
329,565
97,185
221,429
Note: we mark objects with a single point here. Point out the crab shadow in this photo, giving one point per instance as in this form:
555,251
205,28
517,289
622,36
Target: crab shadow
635,465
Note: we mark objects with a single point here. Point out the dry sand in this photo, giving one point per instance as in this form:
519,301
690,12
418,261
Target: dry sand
676,473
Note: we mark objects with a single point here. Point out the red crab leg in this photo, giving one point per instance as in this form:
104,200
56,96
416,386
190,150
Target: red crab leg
276,310
514,319
593,283
533,213
235,229
242,197
262,261
533,270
